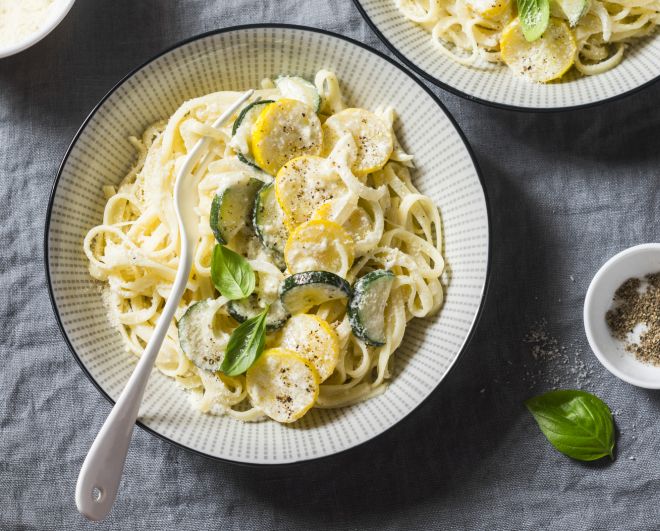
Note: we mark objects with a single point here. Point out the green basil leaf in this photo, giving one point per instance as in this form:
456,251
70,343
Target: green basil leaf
246,344
576,423
231,273
534,16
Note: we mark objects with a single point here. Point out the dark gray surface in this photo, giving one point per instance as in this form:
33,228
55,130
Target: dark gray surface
567,191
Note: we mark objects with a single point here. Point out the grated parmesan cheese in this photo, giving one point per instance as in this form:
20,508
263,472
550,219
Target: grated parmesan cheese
19,19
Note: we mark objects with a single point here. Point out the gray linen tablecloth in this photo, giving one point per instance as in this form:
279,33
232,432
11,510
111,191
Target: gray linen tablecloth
567,191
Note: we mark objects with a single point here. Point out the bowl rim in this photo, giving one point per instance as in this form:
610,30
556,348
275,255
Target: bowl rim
35,37
588,314
449,88
180,44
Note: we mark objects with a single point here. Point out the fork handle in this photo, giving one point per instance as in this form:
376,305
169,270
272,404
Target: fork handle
102,469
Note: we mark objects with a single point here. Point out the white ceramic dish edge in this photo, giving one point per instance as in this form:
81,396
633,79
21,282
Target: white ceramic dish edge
475,245
635,261
496,87
35,37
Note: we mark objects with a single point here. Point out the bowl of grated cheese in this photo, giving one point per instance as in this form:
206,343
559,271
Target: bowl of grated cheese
23,23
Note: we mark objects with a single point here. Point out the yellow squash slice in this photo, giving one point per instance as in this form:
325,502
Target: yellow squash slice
357,225
372,135
313,339
285,129
303,184
489,8
548,57
282,384
319,245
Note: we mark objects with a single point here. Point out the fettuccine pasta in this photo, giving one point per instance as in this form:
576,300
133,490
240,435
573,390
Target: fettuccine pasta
590,35
345,249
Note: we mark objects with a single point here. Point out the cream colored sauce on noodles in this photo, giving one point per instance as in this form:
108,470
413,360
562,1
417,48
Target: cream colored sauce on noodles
469,31
135,250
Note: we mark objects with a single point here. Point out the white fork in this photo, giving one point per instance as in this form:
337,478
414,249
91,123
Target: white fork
101,472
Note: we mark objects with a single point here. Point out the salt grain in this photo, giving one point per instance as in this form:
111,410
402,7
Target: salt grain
553,362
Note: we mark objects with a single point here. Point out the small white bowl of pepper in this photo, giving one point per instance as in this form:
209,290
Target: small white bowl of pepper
622,315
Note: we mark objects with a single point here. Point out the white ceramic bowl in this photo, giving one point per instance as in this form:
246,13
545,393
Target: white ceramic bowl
636,261
495,84
59,11
236,59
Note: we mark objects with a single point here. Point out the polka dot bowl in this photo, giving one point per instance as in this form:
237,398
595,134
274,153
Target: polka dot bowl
236,59
495,84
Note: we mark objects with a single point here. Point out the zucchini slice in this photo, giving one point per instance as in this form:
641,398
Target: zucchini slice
297,88
245,309
248,245
268,220
199,338
241,131
246,159
231,209
302,291
366,307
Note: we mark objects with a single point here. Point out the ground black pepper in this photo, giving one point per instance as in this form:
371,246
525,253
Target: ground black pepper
633,307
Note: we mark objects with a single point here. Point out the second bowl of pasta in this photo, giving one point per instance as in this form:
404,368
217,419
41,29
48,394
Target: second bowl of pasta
545,55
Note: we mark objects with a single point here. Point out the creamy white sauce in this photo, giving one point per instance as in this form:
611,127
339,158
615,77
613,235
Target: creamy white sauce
240,141
270,230
269,287
19,19
306,258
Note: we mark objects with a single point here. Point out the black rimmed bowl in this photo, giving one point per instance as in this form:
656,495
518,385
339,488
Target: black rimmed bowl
495,84
236,59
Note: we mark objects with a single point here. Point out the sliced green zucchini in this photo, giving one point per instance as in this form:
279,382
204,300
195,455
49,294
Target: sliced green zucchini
297,88
302,291
231,209
247,116
198,338
249,246
271,256
244,309
242,130
247,160
366,308
277,259
268,220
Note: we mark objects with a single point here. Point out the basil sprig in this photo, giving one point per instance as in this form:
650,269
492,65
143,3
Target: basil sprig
231,273
576,423
246,344
534,17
